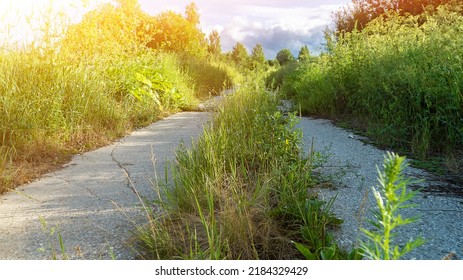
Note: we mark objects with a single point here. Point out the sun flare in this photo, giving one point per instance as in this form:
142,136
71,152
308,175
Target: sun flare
21,20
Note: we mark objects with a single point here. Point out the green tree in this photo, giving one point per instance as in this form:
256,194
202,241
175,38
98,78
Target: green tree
214,46
285,56
239,54
257,56
304,54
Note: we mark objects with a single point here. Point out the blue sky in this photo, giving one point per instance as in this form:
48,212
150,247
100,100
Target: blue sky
275,24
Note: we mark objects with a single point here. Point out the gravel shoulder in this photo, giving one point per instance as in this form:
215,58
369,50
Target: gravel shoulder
92,202
352,166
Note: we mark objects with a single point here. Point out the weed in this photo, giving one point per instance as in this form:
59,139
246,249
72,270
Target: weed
241,190
391,196
53,234
399,79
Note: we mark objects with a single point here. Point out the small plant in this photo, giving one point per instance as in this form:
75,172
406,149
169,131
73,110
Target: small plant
53,233
391,196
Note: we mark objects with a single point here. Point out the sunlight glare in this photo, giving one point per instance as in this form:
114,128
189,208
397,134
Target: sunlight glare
20,19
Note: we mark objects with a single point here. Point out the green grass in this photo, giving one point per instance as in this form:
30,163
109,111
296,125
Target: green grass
399,79
84,85
241,191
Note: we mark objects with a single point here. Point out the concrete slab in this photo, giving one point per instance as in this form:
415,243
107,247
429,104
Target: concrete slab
90,202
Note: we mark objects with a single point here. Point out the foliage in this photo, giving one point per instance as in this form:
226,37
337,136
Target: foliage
391,196
304,54
361,12
284,57
191,14
214,46
172,32
210,77
240,191
320,244
239,55
106,30
397,79
275,79
257,57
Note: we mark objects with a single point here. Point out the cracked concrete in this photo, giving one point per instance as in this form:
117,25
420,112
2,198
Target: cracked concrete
92,202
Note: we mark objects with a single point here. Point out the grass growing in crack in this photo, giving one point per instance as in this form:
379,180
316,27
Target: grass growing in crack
54,237
241,191
391,196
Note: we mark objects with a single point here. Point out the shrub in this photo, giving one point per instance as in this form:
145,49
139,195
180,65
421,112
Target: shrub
399,78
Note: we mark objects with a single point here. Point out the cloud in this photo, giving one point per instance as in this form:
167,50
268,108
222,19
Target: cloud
275,24
277,28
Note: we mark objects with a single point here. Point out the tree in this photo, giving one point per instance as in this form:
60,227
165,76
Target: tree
285,56
192,15
108,29
172,32
239,54
129,5
361,12
214,46
304,54
257,56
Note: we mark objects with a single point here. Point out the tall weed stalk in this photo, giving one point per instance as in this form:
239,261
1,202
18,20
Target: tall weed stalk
391,196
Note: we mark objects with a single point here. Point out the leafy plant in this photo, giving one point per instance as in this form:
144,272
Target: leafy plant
391,196
398,79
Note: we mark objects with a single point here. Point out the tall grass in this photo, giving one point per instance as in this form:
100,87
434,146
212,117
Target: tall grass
241,191
211,76
400,78
79,89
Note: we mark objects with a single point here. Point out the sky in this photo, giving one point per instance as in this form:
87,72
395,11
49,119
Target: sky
275,24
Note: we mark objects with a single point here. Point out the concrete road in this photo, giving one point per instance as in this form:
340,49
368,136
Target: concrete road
92,202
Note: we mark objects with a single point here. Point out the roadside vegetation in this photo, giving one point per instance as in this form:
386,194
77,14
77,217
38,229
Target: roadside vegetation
77,87
398,78
245,189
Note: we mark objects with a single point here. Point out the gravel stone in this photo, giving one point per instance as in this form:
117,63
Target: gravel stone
352,165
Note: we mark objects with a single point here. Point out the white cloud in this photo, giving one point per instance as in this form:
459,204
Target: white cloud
277,27
275,24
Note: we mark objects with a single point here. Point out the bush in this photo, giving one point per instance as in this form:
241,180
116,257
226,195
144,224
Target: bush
402,80
210,77
275,79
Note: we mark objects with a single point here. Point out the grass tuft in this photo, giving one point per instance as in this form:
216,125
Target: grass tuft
241,191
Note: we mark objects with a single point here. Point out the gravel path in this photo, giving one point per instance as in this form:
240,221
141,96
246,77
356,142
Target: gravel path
353,166
90,202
